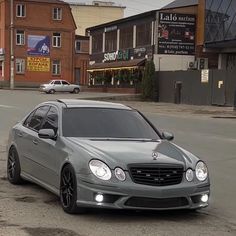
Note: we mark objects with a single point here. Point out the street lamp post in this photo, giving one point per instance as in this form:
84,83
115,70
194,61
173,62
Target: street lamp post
12,66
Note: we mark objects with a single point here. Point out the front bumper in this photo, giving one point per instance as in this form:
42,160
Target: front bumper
129,195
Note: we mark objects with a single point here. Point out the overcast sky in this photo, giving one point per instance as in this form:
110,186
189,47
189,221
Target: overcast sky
133,7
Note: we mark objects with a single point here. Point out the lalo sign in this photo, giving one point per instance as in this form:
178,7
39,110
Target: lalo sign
120,55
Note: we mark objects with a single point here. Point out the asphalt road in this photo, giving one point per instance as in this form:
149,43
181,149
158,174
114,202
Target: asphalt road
31,210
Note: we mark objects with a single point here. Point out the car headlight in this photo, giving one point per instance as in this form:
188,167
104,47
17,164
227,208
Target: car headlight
100,169
120,174
201,171
189,175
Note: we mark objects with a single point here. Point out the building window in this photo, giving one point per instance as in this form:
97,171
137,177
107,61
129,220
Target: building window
20,37
77,46
20,10
57,13
56,67
97,40
56,40
126,37
111,41
20,66
144,34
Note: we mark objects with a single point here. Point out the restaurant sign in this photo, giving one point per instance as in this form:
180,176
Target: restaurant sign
120,55
176,33
40,64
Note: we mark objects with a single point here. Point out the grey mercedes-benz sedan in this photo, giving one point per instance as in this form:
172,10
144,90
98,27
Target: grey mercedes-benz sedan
105,155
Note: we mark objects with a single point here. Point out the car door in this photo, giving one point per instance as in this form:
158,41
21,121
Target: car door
66,86
50,152
27,142
57,86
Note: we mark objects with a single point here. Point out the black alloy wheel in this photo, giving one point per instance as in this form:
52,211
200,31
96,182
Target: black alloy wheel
13,167
68,191
76,90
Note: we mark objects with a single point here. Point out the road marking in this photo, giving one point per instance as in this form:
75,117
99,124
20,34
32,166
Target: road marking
5,106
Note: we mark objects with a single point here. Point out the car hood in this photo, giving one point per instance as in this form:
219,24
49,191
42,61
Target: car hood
122,153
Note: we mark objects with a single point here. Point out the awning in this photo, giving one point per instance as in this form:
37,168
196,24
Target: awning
118,65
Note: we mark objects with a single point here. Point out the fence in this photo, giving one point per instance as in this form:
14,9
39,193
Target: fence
187,87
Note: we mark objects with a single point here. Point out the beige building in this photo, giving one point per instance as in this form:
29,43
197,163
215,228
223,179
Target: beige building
97,13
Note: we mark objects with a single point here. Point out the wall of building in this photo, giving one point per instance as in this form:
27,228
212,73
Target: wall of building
88,15
46,26
172,62
82,61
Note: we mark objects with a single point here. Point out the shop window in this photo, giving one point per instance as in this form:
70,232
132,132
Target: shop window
97,41
20,66
77,46
56,40
126,37
56,67
20,10
20,37
57,13
111,41
144,34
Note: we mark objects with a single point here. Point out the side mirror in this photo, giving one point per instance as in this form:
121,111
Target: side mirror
47,134
167,136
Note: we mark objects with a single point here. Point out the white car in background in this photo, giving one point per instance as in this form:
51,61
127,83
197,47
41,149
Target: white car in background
59,86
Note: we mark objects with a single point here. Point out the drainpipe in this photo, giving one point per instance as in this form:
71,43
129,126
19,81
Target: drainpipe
12,66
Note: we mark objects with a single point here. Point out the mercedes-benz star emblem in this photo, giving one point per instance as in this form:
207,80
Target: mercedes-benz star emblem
155,156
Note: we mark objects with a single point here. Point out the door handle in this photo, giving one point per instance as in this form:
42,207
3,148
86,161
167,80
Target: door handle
36,142
19,134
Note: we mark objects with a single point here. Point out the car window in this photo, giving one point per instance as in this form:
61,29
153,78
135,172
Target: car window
37,118
65,83
51,121
102,122
57,82
28,119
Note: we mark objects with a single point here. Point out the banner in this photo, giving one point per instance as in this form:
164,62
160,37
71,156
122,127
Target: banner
41,64
38,45
176,34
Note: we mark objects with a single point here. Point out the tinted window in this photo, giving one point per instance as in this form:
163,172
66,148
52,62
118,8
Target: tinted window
28,119
36,120
64,83
100,123
51,121
57,82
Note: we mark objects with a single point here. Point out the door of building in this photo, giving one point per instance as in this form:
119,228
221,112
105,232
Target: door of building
218,87
77,75
178,90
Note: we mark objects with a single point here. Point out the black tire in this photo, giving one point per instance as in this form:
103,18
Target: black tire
76,90
13,167
68,191
51,91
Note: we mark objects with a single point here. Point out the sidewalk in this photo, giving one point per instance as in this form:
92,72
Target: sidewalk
167,108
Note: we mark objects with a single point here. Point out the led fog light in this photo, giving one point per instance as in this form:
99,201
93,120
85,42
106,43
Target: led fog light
99,198
204,198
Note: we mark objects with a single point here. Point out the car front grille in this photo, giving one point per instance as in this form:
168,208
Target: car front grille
160,203
156,175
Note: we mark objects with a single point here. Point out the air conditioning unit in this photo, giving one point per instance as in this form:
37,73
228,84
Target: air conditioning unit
202,63
192,65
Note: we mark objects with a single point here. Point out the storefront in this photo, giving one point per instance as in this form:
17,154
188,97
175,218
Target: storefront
122,68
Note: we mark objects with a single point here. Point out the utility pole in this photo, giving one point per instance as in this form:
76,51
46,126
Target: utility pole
12,85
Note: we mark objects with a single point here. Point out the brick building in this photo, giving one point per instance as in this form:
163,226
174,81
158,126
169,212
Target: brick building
81,59
43,41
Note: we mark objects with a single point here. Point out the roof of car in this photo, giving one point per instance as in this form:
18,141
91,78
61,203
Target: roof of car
70,103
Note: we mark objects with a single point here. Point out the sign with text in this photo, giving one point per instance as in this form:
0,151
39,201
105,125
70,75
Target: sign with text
121,55
176,33
40,64
38,45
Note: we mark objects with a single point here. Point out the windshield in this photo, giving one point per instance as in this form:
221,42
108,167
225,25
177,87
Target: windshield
106,123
